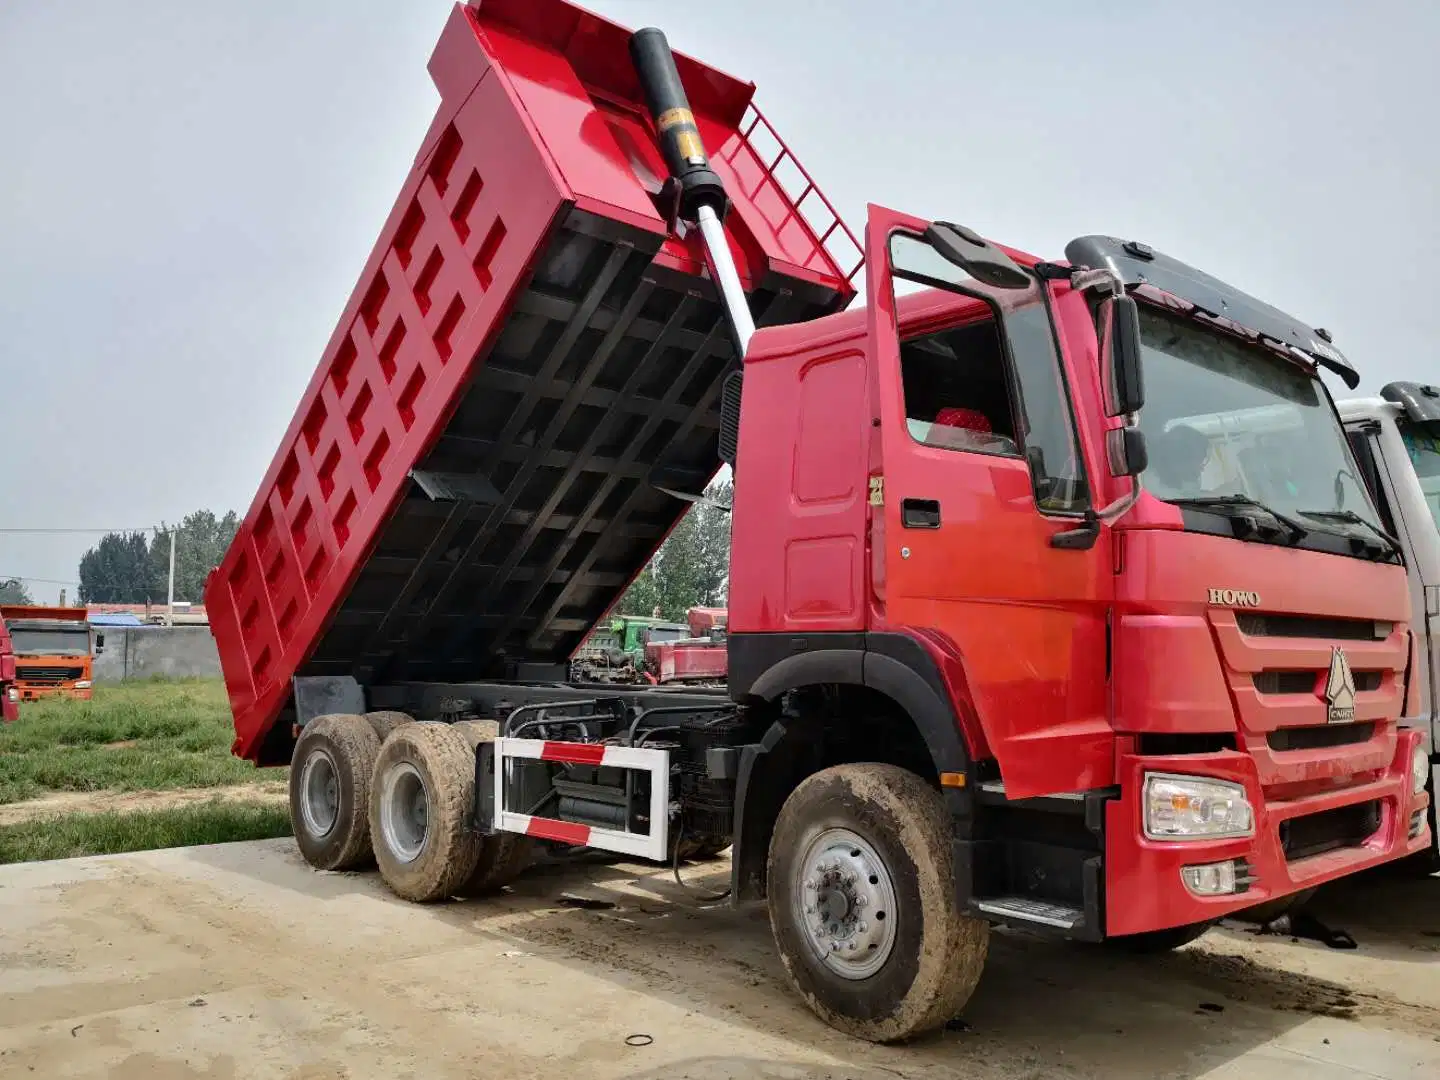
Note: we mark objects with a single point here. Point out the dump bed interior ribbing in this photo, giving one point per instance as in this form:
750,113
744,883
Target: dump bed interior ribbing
532,353
540,506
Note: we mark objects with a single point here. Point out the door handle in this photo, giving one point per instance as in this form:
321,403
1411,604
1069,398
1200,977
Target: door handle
920,513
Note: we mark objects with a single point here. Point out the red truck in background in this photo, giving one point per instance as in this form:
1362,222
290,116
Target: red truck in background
9,692
54,651
1037,616
699,659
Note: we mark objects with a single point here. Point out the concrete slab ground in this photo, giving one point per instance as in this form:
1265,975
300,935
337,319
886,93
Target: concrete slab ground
238,961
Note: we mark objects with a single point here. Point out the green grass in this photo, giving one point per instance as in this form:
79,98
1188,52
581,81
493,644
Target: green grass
175,734
214,822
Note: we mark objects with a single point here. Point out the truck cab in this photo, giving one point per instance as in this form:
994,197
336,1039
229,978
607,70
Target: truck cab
1128,591
54,651
1395,436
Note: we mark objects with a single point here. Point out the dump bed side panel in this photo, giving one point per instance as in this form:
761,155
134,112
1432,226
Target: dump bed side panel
455,249
470,480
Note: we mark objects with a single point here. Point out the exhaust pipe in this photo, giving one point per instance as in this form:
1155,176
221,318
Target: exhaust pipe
702,195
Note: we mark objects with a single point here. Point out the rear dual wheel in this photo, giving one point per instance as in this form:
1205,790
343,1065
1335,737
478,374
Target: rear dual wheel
330,774
421,803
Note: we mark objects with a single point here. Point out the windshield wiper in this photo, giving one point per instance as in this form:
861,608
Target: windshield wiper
1352,518
1211,502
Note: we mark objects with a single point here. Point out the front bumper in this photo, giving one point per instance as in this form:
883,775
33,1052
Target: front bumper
1143,885
39,693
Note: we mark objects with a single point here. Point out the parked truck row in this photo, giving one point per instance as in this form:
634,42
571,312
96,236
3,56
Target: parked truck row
1057,597
637,649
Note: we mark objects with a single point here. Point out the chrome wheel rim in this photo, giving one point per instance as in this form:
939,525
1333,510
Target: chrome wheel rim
844,904
404,811
319,793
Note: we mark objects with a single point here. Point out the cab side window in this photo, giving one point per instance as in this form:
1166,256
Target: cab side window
960,394
955,390
1363,448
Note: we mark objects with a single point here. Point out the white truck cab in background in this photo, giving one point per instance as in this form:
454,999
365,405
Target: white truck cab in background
1396,440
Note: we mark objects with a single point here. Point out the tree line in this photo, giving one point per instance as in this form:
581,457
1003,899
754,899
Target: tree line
134,568
691,568
13,591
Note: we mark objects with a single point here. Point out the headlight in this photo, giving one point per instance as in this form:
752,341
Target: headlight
1191,808
82,684
1419,770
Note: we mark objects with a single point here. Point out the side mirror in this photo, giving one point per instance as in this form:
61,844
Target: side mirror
99,643
1125,449
979,258
1120,356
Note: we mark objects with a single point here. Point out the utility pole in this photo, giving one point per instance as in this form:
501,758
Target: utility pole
170,592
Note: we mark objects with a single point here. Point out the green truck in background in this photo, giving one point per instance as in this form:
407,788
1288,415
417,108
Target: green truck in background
615,650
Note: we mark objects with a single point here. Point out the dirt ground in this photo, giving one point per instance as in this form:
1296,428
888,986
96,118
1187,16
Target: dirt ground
94,802
239,961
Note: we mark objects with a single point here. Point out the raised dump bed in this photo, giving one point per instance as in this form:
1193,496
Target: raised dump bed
532,353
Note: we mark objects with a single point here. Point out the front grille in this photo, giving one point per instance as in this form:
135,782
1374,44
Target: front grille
1306,682
1285,682
49,676
1319,738
1307,626
1329,830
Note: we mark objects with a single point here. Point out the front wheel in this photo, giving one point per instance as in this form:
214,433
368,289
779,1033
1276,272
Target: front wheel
862,903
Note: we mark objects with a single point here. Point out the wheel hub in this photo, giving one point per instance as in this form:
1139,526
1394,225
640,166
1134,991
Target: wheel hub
845,903
404,811
319,794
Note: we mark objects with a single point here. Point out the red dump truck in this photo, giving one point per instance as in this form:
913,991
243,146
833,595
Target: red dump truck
699,659
980,671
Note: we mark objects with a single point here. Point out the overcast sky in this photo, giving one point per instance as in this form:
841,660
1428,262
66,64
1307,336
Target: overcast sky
188,190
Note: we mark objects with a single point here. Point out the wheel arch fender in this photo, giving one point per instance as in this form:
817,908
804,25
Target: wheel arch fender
900,669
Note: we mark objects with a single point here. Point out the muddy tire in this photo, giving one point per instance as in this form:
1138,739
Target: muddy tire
1158,941
883,838
385,721
503,858
420,805
330,777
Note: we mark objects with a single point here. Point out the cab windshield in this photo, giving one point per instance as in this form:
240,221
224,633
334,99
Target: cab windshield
35,642
1422,442
1224,418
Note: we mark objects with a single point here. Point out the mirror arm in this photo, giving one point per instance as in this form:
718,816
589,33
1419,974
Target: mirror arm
1083,537
1122,505
1104,281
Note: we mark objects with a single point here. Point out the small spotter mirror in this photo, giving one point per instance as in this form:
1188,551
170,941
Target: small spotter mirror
981,259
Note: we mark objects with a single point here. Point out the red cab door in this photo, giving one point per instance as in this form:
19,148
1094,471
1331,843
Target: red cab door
982,468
